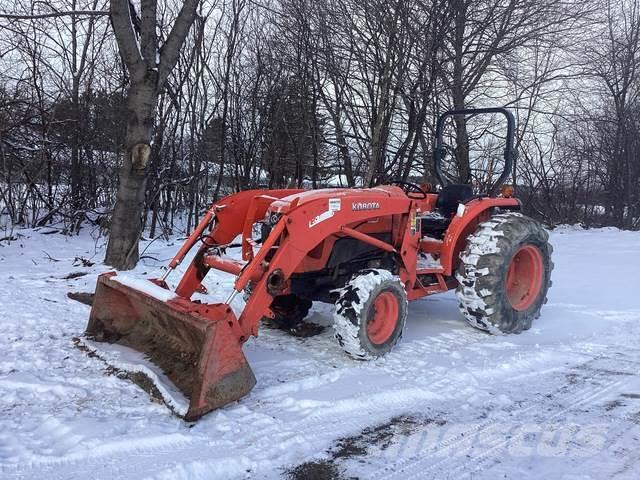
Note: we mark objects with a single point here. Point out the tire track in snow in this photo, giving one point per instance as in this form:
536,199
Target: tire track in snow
455,466
334,421
485,455
337,426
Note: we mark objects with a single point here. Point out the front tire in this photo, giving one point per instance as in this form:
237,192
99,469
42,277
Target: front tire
370,314
505,273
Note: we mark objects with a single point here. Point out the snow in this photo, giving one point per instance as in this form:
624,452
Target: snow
362,285
561,400
482,242
144,286
129,360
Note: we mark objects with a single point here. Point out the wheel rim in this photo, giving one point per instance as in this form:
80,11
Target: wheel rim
524,277
383,319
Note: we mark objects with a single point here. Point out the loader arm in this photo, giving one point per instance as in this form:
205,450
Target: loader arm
231,216
301,228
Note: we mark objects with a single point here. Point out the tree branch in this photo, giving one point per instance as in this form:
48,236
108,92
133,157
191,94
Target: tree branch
170,51
35,16
148,38
126,36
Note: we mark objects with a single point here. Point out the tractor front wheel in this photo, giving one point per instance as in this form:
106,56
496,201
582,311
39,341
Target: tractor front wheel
370,314
504,273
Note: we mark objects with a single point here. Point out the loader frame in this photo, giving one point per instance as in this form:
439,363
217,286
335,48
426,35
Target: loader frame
235,215
311,241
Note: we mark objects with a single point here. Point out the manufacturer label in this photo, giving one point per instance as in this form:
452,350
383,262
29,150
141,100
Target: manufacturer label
320,218
335,204
357,206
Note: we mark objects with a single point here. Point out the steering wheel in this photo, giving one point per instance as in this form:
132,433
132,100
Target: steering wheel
410,188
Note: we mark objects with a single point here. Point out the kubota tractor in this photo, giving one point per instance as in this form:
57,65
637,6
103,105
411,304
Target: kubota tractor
367,251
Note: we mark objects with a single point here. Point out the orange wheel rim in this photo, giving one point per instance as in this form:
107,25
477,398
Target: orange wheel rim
524,277
382,321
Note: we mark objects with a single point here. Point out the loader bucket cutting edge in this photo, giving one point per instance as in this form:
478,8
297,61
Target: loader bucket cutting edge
192,343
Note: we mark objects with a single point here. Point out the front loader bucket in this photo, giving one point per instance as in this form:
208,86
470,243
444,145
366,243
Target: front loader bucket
193,344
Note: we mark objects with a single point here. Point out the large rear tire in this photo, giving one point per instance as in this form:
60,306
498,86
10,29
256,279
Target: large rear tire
505,273
370,314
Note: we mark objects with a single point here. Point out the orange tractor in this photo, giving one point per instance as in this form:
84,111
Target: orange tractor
367,251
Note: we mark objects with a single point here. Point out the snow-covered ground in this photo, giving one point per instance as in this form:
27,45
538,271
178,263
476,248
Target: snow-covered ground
559,401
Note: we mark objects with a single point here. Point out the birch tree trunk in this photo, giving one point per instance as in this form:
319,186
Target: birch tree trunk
126,222
149,67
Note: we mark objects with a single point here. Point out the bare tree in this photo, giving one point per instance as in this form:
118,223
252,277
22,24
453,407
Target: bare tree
483,31
615,62
192,100
149,66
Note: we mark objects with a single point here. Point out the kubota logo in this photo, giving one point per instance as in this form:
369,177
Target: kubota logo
365,206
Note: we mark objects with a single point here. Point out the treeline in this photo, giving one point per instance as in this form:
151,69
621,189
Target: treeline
321,93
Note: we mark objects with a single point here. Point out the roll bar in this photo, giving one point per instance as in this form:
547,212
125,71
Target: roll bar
509,152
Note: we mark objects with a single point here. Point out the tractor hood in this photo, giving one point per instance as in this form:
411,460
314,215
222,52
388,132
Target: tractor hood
284,204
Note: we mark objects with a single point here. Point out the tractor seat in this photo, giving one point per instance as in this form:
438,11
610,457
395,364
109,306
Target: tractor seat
435,223
452,195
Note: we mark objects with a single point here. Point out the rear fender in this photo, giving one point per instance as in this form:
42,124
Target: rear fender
464,223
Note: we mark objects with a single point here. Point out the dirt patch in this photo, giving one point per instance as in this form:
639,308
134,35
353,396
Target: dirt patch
83,348
300,330
317,470
82,297
306,329
140,379
73,275
82,261
357,445
613,404
380,435
634,396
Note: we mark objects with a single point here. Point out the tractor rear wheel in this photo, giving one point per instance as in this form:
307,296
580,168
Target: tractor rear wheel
370,314
504,273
